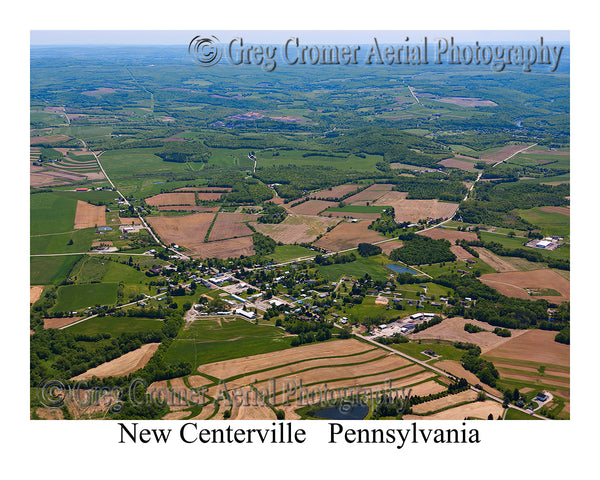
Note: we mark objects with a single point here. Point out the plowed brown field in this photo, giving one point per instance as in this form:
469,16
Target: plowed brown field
312,207
125,364
296,229
172,199
534,346
88,215
348,235
513,284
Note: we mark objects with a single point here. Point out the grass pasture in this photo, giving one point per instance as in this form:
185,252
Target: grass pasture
551,223
374,266
51,213
76,297
215,339
116,325
51,270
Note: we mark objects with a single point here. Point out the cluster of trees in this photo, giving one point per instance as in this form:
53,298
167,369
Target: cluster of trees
294,180
502,332
263,245
493,203
182,152
396,338
564,336
368,249
427,323
249,191
431,186
419,250
307,331
338,258
470,328
483,369
388,406
272,213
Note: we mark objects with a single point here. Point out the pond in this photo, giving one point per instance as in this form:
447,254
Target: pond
356,411
400,269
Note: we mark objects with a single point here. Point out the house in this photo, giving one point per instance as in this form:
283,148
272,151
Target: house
541,397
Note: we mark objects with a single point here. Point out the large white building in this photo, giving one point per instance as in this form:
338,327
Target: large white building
245,313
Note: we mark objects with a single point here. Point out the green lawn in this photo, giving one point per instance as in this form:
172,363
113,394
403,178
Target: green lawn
206,341
414,349
513,414
75,297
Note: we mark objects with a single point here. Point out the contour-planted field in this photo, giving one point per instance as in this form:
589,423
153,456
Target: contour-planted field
532,285
480,410
348,235
246,365
89,216
296,229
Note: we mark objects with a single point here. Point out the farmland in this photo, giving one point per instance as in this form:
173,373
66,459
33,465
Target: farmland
243,232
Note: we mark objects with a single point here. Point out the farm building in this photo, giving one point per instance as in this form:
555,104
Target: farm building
543,243
245,313
416,316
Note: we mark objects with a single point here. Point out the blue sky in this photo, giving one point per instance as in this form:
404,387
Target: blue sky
183,37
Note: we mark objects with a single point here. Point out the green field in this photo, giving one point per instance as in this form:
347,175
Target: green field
284,253
76,297
51,213
374,266
550,223
206,341
50,270
59,243
444,349
116,325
